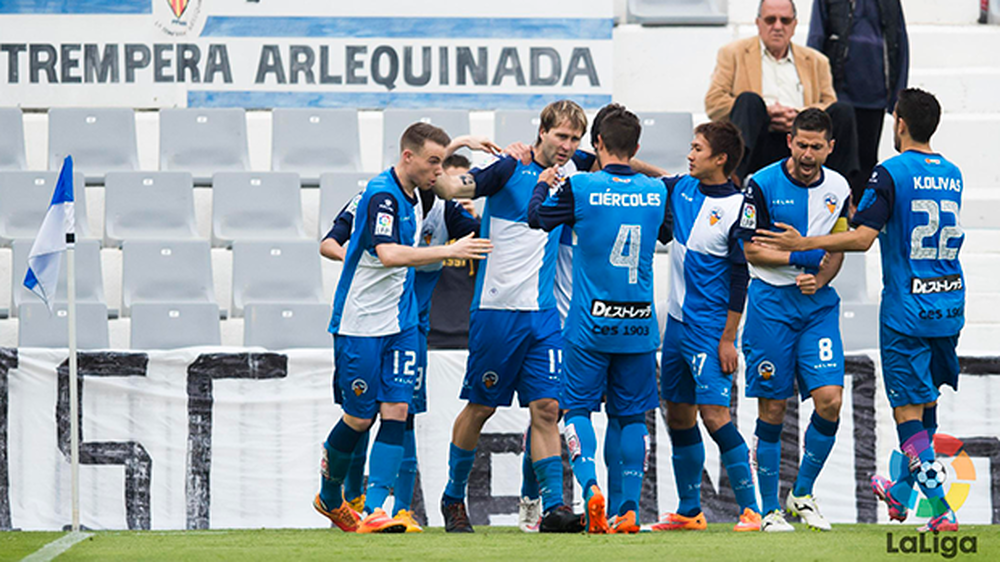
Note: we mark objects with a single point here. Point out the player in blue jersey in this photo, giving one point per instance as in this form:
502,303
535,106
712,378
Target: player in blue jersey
611,332
912,206
514,333
445,220
708,290
374,322
792,328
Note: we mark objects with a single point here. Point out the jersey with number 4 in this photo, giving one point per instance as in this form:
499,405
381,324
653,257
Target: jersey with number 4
914,199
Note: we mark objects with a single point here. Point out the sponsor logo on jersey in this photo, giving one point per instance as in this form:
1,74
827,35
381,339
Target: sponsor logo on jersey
715,216
490,379
930,285
831,203
612,199
359,387
386,204
383,224
749,218
622,310
766,370
617,179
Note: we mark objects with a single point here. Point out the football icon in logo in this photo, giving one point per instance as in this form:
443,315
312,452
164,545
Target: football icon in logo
766,370
490,379
359,387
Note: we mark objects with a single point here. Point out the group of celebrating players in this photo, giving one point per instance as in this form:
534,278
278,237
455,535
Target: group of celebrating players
564,314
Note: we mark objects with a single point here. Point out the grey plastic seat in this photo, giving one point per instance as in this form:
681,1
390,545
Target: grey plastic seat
174,325
679,12
38,327
256,206
157,271
148,206
287,326
12,140
851,281
25,198
666,140
275,272
516,125
336,189
455,122
310,142
101,140
89,279
859,325
203,141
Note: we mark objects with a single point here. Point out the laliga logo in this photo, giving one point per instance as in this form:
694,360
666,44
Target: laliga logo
715,217
490,379
831,203
766,370
359,387
934,474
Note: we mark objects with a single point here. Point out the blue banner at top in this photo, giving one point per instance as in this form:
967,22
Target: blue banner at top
76,6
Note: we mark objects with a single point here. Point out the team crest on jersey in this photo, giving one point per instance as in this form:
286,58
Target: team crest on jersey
831,203
490,379
749,218
766,370
715,216
359,387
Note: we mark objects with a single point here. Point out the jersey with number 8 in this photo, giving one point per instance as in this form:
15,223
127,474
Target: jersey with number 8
915,200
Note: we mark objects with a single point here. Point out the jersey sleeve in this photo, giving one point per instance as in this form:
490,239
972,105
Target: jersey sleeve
875,207
753,212
583,160
383,219
458,221
670,182
666,233
341,229
492,178
550,207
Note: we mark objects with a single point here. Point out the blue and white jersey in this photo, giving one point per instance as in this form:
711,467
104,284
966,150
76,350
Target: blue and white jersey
915,199
773,196
704,252
444,221
616,216
580,163
371,299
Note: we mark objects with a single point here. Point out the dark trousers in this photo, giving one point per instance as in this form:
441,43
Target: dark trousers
869,122
764,147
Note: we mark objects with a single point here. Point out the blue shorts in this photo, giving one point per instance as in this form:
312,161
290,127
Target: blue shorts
513,350
914,368
372,370
789,337
627,379
419,404
690,371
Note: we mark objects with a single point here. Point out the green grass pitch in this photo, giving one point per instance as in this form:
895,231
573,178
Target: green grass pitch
846,543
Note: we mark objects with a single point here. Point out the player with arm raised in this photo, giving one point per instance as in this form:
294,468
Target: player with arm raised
792,328
374,324
912,206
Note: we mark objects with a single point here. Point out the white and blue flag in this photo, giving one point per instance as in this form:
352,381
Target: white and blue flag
46,253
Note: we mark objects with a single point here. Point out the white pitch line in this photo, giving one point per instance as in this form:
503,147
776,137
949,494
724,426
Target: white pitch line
56,547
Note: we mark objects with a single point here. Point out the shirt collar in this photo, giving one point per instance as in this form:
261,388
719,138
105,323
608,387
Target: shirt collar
767,54
619,169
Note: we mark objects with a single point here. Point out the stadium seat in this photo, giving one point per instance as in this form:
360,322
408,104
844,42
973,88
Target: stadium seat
25,198
99,140
287,326
336,189
203,141
40,328
310,142
256,206
455,122
173,325
679,12
149,206
851,281
516,125
156,271
89,279
859,326
275,272
12,140
666,140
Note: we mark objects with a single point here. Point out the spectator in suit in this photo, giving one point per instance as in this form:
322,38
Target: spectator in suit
761,83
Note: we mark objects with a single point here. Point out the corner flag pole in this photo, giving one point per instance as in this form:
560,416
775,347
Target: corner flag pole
74,414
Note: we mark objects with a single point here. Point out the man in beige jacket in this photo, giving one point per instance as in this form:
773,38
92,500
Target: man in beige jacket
761,83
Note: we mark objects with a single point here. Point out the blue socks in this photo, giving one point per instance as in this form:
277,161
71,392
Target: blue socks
916,443
736,459
354,484
768,463
529,484
633,455
383,467
930,422
548,471
613,460
582,443
688,459
459,467
337,453
402,490
820,436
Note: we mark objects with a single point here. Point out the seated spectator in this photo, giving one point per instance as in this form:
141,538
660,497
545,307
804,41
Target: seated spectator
761,83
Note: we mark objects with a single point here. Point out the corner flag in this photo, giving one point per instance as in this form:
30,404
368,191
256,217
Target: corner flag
44,260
